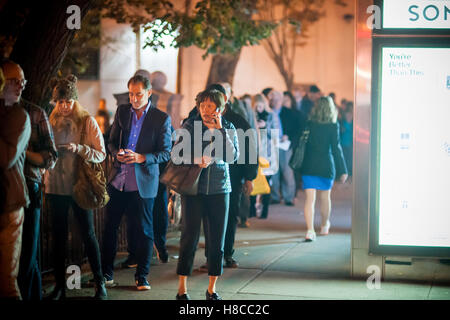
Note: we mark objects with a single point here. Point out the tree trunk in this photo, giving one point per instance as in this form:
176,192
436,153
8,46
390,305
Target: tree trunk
223,68
43,43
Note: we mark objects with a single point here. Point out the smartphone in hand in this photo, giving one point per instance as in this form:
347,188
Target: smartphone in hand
63,146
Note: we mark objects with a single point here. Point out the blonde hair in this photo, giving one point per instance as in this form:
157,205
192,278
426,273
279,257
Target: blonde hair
261,98
324,111
77,117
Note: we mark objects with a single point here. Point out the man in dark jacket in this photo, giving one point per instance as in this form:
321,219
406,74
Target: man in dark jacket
242,174
308,101
140,140
161,215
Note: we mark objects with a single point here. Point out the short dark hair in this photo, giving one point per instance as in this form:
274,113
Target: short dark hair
291,97
140,79
314,89
218,87
214,95
266,91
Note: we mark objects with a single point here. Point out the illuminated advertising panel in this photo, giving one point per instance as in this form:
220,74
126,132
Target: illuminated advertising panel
416,14
411,174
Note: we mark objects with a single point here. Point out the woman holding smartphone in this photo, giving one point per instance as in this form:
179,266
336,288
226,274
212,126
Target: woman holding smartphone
68,119
214,186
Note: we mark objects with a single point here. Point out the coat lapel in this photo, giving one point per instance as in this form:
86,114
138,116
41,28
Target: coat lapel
145,127
126,126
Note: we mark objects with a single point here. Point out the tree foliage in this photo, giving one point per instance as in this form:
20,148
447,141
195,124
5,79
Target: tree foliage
219,27
216,26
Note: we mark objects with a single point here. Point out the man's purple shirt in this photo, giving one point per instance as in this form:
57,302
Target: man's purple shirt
125,180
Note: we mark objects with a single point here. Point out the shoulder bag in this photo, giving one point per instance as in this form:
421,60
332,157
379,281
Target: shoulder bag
89,191
183,178
298,154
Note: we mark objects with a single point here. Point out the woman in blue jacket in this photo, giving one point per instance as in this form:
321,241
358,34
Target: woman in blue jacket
323,161
212,201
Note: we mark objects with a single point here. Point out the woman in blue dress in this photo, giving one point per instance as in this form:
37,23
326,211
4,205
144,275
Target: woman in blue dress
323,161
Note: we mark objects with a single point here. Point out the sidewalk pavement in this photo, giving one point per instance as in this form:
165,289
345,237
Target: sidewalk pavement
275,264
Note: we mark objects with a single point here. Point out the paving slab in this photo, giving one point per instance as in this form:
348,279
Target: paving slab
326,287
439,292
276,264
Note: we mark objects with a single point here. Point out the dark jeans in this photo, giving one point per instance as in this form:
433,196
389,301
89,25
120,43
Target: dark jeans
141,216
235,201
244,208
214,210
160,224
59,208
29,278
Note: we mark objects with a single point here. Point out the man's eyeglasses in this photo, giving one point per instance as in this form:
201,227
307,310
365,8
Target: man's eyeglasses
17,82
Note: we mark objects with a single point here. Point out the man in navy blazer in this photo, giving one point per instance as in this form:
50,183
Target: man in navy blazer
140,139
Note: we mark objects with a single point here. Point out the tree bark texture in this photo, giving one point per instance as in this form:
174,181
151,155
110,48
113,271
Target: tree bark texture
42,44
223,67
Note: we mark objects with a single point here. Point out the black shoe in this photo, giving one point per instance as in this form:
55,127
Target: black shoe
183,297
245,224
59,293
289,204
213,296
164,256
100,291
231,263
275,202
129,263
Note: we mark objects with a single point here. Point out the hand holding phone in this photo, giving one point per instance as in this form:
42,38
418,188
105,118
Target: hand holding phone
121,155
72,147
63,146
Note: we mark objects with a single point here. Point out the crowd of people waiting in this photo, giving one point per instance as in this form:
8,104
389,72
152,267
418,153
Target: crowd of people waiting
40,150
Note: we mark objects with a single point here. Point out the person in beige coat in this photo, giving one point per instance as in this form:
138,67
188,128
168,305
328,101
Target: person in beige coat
67,120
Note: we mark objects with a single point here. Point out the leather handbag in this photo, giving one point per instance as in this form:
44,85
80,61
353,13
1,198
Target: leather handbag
298,154
89,191
182,178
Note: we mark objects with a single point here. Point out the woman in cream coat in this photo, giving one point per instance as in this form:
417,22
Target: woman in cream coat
67,120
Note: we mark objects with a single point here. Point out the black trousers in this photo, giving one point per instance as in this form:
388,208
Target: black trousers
213,209
235,201
29,278
59,208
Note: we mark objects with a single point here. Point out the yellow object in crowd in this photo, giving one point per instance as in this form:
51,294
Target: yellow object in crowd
260,184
